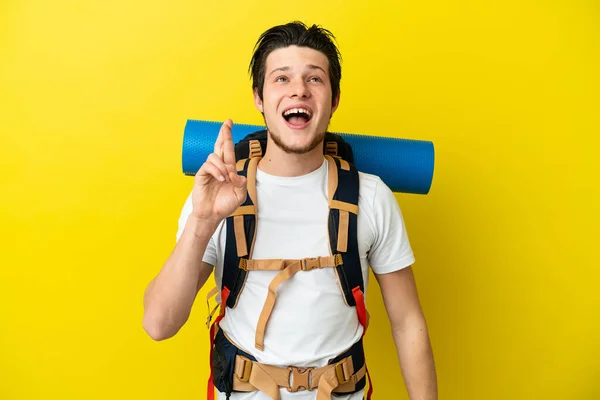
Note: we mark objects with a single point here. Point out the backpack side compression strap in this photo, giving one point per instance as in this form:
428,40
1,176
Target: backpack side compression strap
343,213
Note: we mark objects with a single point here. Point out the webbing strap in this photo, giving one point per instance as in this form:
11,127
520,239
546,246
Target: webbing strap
240,236
344,164
254,149
342,244
277,264
332,179
289,271
370,391
240,164
363,318
327,383
361,308
251,179
238,215
331,148
270,303
210,294
344,208
340,205
251,188
339,378
244,210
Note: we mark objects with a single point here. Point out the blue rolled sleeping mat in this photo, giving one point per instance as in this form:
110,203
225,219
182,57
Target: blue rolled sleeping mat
405,165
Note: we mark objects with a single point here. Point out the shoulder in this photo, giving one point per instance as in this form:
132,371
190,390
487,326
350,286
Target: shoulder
377,205
374,193
380,213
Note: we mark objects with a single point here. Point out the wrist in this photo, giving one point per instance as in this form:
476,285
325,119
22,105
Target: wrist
201,227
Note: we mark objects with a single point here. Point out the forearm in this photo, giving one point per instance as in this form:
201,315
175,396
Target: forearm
416,359
169,297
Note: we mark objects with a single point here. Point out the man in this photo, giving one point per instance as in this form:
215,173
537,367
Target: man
296,83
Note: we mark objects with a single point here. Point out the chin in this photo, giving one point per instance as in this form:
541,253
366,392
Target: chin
298,145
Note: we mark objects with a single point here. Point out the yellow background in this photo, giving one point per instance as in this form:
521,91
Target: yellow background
94,98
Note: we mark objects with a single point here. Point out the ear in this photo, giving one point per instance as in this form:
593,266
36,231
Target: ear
336,103
257,101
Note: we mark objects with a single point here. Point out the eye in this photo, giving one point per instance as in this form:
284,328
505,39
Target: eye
281,79
315,79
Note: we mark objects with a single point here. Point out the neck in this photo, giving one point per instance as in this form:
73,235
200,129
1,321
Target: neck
279,163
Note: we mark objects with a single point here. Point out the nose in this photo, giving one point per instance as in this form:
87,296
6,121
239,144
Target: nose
299,88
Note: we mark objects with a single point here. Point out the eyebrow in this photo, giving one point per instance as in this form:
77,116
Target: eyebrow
279,69
287,68
316,67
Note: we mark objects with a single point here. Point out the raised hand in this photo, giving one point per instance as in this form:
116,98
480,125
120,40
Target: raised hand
218,189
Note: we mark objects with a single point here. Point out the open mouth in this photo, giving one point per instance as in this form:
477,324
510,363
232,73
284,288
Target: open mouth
297,117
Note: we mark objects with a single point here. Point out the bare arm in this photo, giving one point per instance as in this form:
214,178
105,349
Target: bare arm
410,333
169,297
218,191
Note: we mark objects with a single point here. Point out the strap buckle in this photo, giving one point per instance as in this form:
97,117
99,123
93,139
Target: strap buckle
309,264
339,372
210,316
254,149
331,148
243,264
338,260
300,379
246,370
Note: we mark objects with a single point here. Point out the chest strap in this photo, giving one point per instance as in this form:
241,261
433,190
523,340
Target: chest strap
288,268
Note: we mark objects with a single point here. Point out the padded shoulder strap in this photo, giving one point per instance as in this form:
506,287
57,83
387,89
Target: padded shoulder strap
343,187
241,233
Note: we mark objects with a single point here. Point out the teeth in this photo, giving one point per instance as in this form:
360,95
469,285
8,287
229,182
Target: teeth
296,111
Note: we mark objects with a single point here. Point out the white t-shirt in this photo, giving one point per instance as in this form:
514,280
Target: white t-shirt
310,322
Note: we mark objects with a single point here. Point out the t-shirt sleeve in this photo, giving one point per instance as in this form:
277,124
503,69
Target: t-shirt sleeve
183,216
391,250
210,255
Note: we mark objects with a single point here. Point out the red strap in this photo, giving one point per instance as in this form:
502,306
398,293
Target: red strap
361,308
211,385
370,391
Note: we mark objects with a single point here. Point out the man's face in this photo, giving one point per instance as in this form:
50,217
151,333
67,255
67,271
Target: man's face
297,104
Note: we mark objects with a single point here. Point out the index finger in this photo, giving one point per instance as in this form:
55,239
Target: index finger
218,147
228,148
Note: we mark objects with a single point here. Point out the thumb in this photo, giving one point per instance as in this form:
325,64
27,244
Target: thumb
239,181
239,188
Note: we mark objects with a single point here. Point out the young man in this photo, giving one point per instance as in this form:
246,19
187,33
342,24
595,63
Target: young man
311,324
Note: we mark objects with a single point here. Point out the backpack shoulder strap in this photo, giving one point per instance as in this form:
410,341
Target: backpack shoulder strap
343,190
240,234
